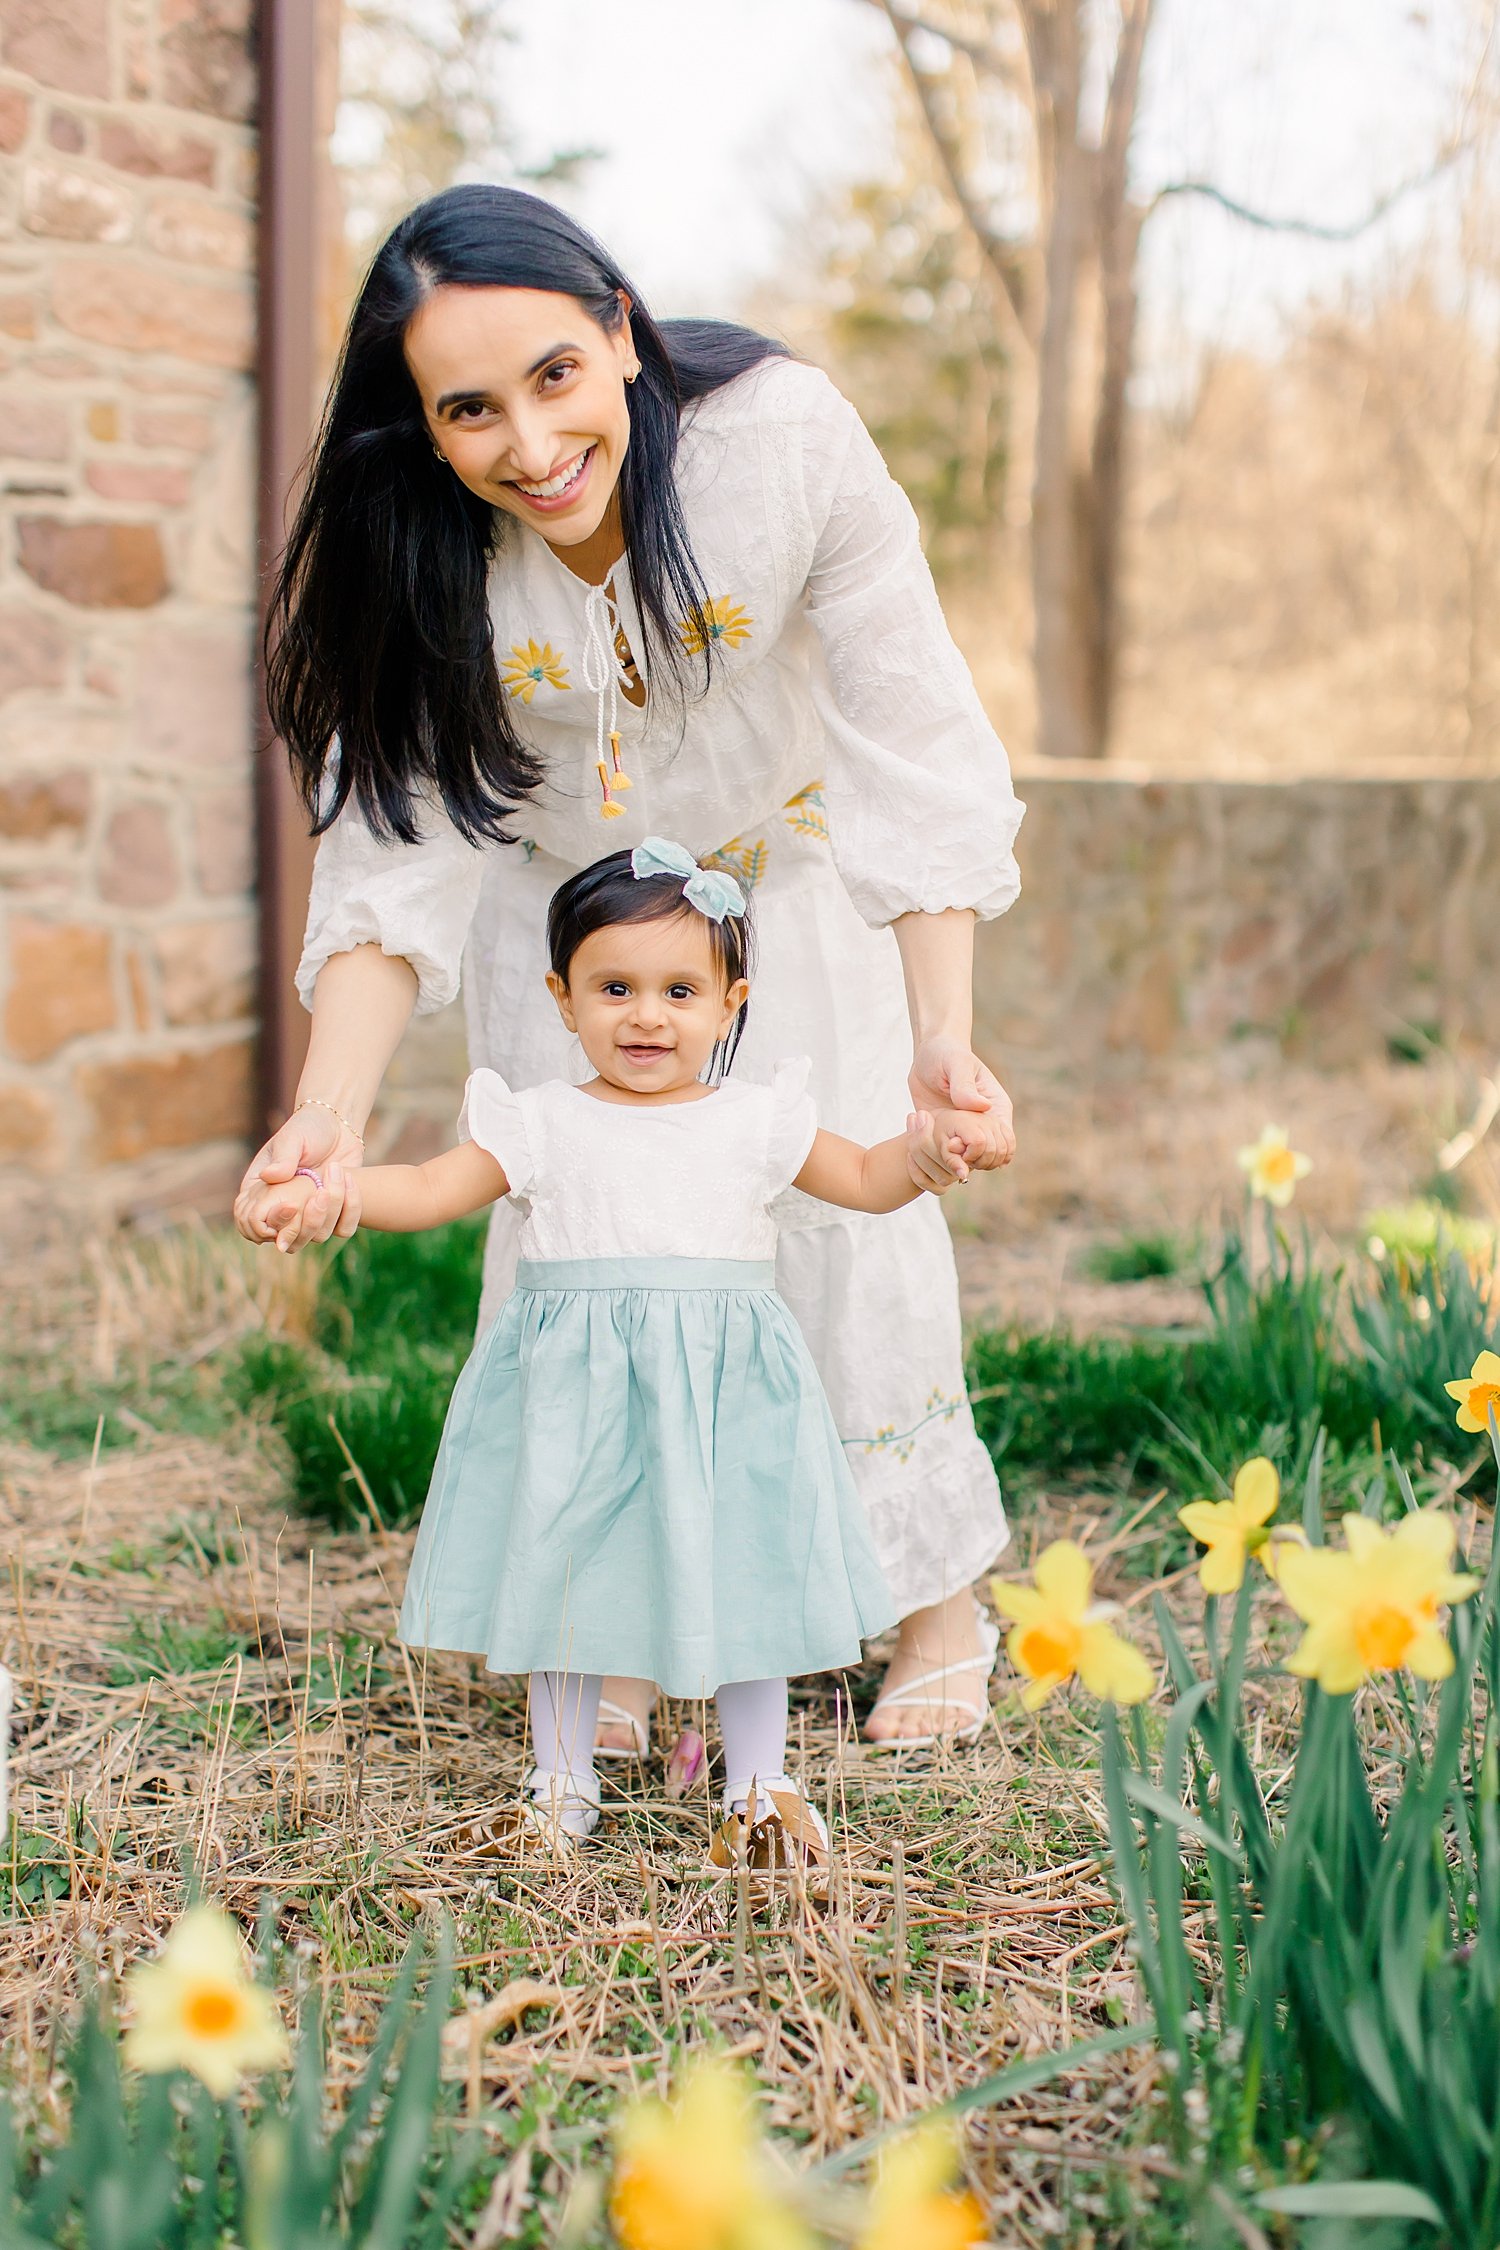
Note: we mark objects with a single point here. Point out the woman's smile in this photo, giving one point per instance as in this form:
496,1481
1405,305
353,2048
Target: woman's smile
563,489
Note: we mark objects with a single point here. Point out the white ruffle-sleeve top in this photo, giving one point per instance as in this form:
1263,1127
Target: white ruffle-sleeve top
833,667
607,1180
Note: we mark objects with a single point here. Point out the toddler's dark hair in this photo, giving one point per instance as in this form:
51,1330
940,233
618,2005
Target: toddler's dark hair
610,892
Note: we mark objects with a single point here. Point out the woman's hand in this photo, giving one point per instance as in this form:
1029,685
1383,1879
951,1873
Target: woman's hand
947,1074
312,1137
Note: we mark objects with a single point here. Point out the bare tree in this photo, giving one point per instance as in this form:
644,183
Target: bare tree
1067,293
1012,88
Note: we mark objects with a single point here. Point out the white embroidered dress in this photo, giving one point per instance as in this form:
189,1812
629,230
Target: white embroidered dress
842,767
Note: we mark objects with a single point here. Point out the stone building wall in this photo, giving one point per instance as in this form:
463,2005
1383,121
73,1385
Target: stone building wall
127,322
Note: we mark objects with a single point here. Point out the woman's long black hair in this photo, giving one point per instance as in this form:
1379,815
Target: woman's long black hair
379,631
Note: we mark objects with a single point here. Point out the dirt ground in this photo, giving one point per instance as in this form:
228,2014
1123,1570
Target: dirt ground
1099,1166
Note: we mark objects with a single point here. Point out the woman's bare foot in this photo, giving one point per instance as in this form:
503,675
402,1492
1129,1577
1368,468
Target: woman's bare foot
612,1735
946,1633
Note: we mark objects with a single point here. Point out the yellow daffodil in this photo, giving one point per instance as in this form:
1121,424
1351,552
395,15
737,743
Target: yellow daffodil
1372,1605
1477,1392
1278,1539
1057,1631
196,2008
914,2204
1273,1167
690,2176
1232,1529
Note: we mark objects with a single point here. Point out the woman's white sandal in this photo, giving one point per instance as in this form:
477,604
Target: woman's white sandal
778,1832
920,1692
639,1730
558,1812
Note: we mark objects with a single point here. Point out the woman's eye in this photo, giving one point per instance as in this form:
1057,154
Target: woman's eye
558,372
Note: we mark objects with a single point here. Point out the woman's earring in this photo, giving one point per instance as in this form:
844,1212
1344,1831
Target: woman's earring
437,449
632,372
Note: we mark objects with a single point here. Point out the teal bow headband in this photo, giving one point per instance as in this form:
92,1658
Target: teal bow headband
708,888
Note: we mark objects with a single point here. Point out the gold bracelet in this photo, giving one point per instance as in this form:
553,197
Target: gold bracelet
312,1101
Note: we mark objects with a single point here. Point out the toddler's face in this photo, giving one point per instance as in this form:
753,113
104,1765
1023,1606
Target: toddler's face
648,1002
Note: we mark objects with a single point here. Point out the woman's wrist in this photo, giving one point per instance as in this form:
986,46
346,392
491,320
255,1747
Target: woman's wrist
955,1028
336,1112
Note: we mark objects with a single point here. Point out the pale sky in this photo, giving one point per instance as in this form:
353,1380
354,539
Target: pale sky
718,119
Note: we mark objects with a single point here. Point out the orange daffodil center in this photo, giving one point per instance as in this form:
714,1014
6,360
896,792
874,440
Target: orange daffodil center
1372,1606
1234,1528
1477,1392
197,2009
1059,1631
914,2206
1273,1167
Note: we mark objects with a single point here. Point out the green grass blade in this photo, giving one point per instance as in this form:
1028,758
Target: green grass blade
1003,2086
1351,2199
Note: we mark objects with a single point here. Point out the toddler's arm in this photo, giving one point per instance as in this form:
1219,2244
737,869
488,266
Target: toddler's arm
395,1198
882,1178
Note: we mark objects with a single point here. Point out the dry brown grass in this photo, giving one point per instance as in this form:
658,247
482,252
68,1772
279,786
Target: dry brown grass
287,1743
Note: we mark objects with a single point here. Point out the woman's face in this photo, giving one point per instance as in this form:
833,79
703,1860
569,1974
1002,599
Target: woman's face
524,395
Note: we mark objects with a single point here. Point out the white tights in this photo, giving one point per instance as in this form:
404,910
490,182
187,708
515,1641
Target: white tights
565,1711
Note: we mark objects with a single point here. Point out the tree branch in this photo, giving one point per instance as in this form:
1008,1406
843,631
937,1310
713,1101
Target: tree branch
1314,228
983,54
994,249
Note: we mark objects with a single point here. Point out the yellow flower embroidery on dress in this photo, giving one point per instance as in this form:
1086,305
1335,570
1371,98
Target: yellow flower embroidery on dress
528,667
742,857
711,621
941,1406
806,812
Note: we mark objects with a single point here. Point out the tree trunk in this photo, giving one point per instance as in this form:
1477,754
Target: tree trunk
1054,41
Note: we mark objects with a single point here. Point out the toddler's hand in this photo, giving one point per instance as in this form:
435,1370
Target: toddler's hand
277,1211
935,1150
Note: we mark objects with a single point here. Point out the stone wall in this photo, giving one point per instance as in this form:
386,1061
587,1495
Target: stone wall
127,320
1168,920
1322,918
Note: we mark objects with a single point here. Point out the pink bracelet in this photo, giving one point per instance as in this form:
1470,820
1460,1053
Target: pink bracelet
305,1172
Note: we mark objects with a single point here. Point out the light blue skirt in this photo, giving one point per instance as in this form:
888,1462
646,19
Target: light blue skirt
640,1474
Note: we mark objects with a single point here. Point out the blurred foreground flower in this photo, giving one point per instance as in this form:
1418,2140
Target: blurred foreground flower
690,2175
1477,1392
1058,1631
1234,1528
1373,1605
1274,1168
197,2009
914,2204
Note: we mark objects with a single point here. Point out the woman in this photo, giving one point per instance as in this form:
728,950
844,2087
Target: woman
562,577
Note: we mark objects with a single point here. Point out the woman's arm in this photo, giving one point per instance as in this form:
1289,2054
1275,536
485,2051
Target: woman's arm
362,1004
885,1177
937,960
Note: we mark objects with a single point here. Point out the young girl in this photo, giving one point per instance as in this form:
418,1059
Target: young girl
639,1472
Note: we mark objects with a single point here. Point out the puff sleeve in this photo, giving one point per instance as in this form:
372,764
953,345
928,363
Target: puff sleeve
794,1123
412,900
496,1118
922,814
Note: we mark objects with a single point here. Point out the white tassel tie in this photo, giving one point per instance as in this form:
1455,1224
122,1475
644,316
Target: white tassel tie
604,675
